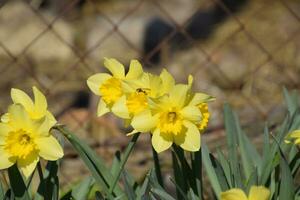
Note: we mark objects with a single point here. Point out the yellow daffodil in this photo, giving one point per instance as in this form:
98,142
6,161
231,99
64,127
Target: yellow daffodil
293,137
137,92
24,140
173,118
110,87
36,109
256,193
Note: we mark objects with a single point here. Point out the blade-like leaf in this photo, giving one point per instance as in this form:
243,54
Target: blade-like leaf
17,184
210,171
82,190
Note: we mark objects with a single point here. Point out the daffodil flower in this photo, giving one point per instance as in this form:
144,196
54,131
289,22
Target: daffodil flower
137,92
24,140
293,137
110,87
256,193
36,109
173,118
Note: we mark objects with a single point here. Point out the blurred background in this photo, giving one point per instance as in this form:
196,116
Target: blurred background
240,51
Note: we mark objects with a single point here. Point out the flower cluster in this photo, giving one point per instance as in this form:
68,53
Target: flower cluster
25,133
171,112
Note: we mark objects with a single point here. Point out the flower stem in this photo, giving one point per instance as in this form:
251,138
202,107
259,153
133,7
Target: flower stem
127,152
157,168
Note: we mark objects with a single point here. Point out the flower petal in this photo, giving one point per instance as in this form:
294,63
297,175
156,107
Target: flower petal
19,118
40,103
135,70
49,148
115,67
200,98
120,109
5,118
102,108
191,113
144,121
5,160
168,81
295,134
189,139
95,81
20,97
28,165
4,130
161,141
178,94
233,194
259,193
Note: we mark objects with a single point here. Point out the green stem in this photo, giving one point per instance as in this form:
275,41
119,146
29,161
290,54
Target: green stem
128,150
157,168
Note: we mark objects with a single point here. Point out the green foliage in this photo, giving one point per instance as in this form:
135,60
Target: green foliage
240,165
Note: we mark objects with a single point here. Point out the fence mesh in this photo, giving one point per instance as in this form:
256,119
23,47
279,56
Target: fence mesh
242,54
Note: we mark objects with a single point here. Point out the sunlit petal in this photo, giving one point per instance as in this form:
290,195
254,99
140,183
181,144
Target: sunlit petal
28,165
95,81
102,108
115,67
191,113
120,109
168,81
40,103
178,95
259,193
49,148
20,97
200,98
190,139
144,121
161,141
135,70
233,194
19,119
5,160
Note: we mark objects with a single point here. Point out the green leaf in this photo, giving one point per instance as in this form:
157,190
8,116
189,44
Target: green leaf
287,188
232,137
179,177
220,173
100,172
225,166
162,194
81,190
144,190
212,176
291,101
197,172
17,184
129,185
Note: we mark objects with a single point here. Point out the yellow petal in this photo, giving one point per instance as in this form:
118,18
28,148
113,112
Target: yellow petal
95,81
295,134
115,67
51,118
20,97
19,118
102,108
4,130
144,121
191,113
5,118
200,98
27,166
135,70
43,126
178,95
132,133
259,193
233,194
40,104
168,81
5,160
120,109
49,148
161,142
190,139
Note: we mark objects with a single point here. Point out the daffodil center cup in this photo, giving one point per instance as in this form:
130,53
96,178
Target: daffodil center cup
19,144
111,90
137,101
170,121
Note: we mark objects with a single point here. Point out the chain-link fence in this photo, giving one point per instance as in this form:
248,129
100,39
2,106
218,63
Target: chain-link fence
243,52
